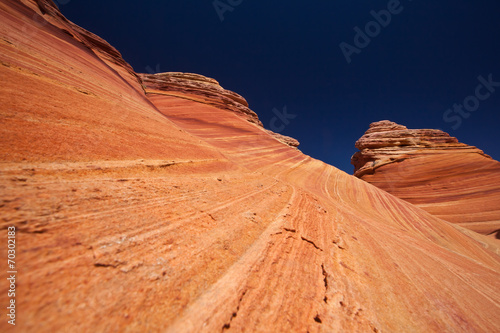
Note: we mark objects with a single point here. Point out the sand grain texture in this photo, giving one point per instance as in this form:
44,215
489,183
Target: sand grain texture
140,209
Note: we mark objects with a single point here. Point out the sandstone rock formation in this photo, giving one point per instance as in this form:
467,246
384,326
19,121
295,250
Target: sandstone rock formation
205,90
198,88
429,168
172,213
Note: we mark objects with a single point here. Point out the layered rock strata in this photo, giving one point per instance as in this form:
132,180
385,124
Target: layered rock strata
161,213
199,88
208,91
429,168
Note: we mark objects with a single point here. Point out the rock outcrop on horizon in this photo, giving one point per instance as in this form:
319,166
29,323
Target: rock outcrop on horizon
141,206
432,170
205,90
198,88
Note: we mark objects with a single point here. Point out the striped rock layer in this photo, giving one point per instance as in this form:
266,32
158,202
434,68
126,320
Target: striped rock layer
137,209
432,170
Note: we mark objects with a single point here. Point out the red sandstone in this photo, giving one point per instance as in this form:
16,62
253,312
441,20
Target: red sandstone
451,180
153,206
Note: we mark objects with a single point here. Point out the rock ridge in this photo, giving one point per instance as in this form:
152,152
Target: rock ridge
387,142
190,85
207,91
162,213
434,171
100,47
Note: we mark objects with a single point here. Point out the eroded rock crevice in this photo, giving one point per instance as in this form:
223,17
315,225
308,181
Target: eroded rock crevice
227,325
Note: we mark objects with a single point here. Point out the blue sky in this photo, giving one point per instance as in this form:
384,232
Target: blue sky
417,66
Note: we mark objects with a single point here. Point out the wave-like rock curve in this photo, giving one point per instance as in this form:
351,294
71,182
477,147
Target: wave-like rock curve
429,168
161,213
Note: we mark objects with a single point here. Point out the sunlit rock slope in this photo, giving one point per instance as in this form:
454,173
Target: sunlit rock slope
138,209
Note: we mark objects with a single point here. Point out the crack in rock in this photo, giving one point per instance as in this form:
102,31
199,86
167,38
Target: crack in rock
235,313
325,280
338,243
310,242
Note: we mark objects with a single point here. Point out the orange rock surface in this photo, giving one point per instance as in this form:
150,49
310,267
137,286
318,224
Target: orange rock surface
432,170
141,206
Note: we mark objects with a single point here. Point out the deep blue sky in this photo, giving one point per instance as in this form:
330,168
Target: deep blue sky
287,53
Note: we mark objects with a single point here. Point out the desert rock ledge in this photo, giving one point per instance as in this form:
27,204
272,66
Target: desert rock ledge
429,168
